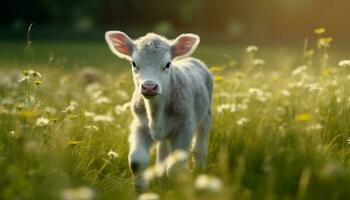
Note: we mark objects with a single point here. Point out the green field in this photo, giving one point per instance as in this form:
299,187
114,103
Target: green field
280,131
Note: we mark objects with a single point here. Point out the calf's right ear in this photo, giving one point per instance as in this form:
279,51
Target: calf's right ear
120,44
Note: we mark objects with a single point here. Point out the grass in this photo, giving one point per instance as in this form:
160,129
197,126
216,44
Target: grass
278,132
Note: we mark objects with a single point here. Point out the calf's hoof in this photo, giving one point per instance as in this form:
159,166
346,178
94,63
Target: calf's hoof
140,185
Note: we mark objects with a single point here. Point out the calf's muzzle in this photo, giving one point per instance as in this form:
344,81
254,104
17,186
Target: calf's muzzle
149,88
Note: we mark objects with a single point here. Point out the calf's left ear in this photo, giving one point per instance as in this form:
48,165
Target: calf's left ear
184,45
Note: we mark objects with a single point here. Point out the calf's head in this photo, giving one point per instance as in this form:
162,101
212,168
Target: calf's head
151,58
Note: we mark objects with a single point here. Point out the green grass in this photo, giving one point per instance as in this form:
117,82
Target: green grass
293,144
69,54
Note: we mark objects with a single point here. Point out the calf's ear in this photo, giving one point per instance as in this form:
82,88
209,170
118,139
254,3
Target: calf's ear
184,45
120,44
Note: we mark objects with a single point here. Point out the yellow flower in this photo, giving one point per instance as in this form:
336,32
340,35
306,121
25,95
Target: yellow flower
74,142
324,42
25,72
303,117
218,78
215,69
319,30
38,82
309,53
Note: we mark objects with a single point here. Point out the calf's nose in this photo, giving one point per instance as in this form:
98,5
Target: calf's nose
149,88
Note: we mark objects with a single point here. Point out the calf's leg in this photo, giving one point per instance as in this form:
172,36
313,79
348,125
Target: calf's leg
163,150
180,141
140,142
200,142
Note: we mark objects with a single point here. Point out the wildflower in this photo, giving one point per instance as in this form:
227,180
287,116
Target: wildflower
216,69
255,91
334,83
119,109
344,63
89,114
122,94
242,121
102,118
231,107
348,140
25,72
314,87
176,157
224,94
92,88
303,117
12,132
339,99
31,73
42,121
91,127
23,79
252,48
148,196
319,30
112,154
309,53
218,78
103,100
208,183
38,82
315,127
73,105
50,110
155,171
74,142
35,74
324,42
285,93
259,94
299,70
258,62
79,193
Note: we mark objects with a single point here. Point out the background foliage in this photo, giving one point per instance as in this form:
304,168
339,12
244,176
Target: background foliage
235,20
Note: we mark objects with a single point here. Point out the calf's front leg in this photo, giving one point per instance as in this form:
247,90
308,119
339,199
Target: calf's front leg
180,143
140,142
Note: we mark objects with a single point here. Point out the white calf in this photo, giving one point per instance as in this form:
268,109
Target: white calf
171,101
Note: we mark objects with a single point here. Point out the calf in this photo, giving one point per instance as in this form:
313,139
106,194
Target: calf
171,100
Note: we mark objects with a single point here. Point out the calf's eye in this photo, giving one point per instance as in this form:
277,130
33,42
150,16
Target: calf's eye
134,65
167,66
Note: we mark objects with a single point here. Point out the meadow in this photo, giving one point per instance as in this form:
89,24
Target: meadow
280,128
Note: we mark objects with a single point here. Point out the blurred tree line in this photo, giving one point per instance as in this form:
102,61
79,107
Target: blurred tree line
235,19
